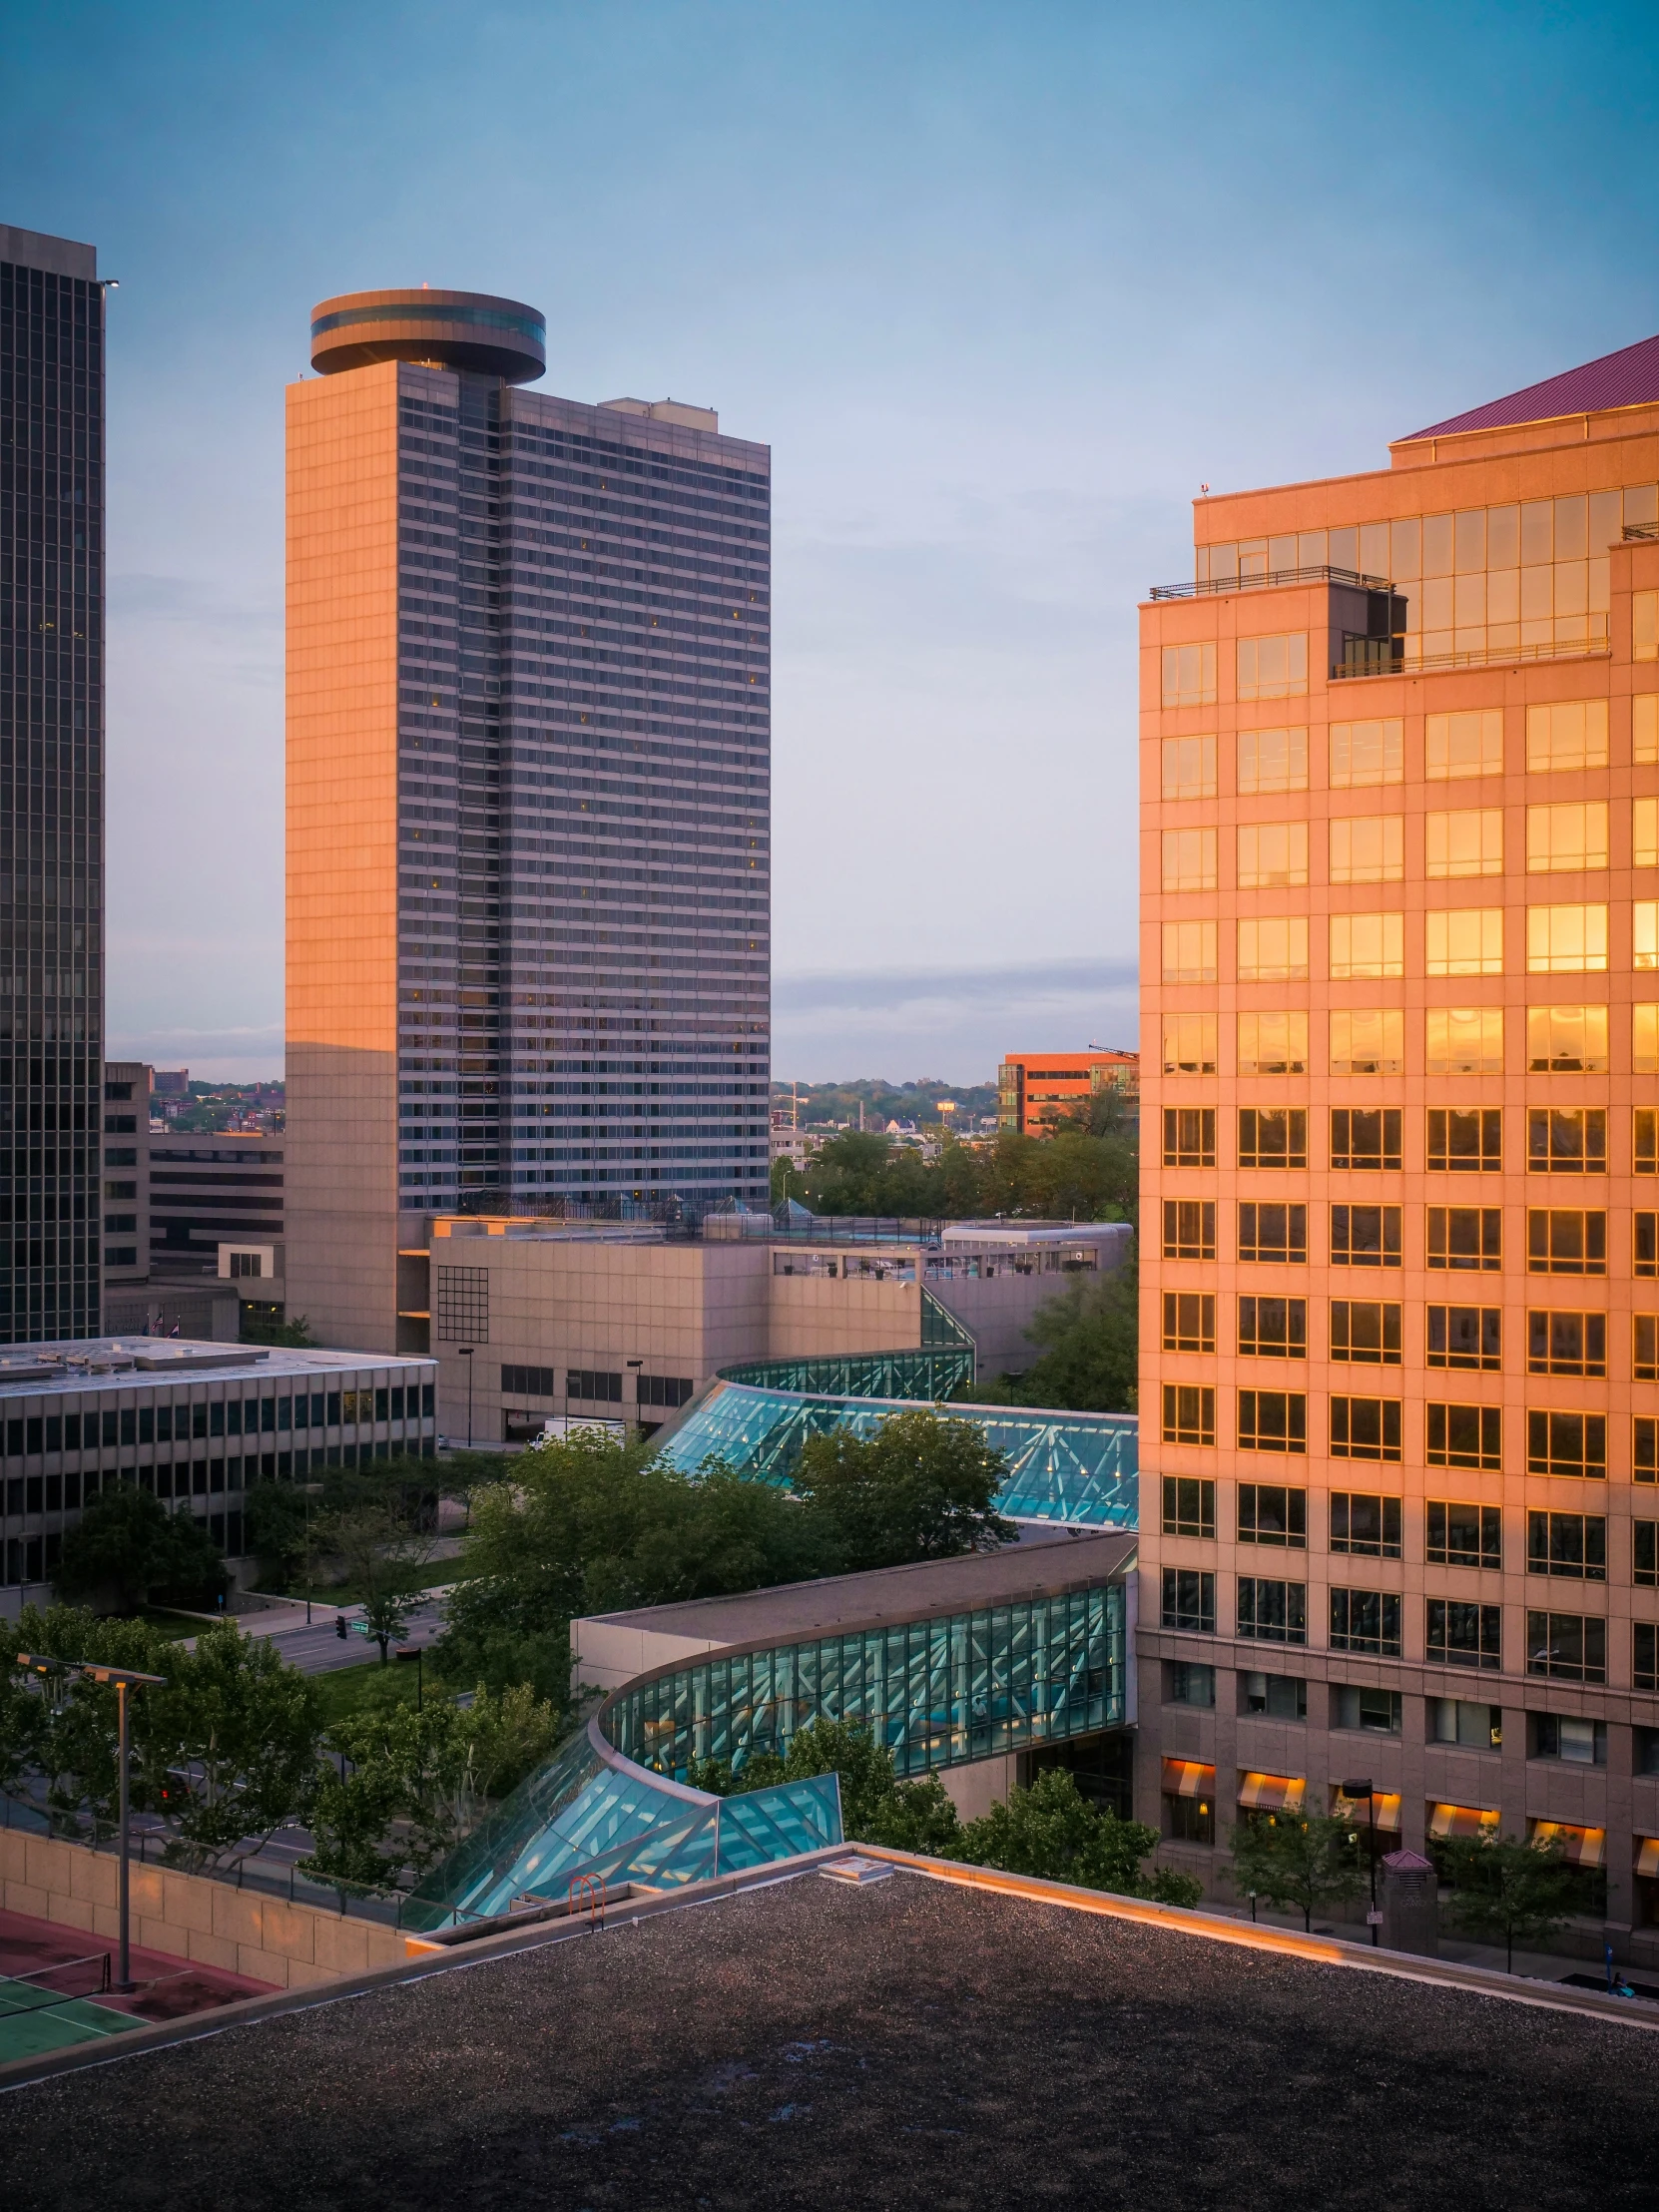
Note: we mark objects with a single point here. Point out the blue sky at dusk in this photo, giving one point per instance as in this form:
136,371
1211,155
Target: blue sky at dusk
1000,287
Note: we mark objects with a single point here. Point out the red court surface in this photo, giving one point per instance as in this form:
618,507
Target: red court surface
168,1987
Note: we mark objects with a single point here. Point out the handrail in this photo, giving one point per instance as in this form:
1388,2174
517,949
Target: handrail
1207,587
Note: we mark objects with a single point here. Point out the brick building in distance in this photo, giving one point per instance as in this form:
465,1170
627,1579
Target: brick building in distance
1035,1090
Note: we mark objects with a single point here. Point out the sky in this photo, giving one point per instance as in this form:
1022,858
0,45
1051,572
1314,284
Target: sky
1000,285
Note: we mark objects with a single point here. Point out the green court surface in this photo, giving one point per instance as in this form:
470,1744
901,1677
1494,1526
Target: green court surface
34,2021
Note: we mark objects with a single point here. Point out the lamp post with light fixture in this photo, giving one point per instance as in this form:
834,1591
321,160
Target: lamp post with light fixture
1354,1791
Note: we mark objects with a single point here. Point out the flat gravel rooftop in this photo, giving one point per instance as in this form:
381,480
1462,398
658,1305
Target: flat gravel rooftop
912,2043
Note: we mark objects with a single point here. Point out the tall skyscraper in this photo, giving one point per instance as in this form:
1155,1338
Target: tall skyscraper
51,784
1400,974
528,761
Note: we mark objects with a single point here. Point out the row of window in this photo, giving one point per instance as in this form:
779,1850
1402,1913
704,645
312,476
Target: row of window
1456,1532
1559,1443
1572,1647
1276,667
1458,1040
1560,1240
1370,949
29,1496
1564,736
1560,1140
1562,840
31,1433
1370,1332
603,1385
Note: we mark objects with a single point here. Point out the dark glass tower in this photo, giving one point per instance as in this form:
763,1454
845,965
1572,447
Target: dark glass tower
51,784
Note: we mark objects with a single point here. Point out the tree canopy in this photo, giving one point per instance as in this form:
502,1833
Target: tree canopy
1090,1356
1071,1175
919,1486
127,1548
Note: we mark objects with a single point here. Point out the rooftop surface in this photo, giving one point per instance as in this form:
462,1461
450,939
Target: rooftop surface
82,1363
1042,1564
909,2044
1627,378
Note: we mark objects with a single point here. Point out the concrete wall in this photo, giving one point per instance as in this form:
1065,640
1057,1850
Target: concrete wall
191,1915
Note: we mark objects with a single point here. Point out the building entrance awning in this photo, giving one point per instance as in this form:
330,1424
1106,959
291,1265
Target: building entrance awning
1460,1823
1647,1857
1188,1778
1386,1805
1584,1847
1272,1792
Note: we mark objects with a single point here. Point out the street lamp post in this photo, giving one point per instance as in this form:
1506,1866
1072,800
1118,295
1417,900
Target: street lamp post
465,1352
634,1366
1354,1791
121,1680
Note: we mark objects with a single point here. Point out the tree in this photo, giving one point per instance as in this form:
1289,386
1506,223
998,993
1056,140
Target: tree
127,1547
876,1808
1053,1832
381,1557
259,1328
1091,1360
1296,1860
921,1486
279,1532
1509,1892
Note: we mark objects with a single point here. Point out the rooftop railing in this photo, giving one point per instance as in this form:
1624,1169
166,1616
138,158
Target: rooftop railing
1211,585
1419,664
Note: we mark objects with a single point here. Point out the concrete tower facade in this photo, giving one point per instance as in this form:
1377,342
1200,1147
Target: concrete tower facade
528,777
51,773
1401,1328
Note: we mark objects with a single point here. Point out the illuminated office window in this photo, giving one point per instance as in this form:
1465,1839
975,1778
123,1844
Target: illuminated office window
1272,855
1274,667
1572,734
1273,1044
1566,840
1464,1040
1189,675
1566,1040
1463,940
1367,947
1368,849
1270,762
1189,861
1462,745
1466,843
1274,949
1189,767
1367,753
1367,1040
1566,940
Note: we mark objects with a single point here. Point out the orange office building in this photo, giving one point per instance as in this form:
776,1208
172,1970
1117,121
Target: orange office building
1399,1398
1037,1090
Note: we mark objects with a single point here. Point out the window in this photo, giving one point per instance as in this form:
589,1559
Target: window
1573,1445
1570,1646
1461,1635
1465,1140
594,1383
1365,1525
1189,1681
1582,1743
1570,1544
1188,1320
1273,1044
1572,734
1189,767
1366,1332
1645,1348
1189,952
1464,1040
528,1383
1273,1137
1646,1448
1566,1141
1367,947
1644,833
1189,1229
665,1390
1270,762
1467,1238
1365,1429
1463,940
1364,1137
1367,753
1365,1235
1566,1040
1644,729
1456,746
1273,1612
1272,1235
1368,849
1644,934
1458,1720
1188,859
1566,940
1465,1436
1188,1600
463,1304
1354,1706
1272,855
1189,1506
1190,1820
1274,667
1468,842
1566,840
1273,1421
1282,1697
1645,1657
1270,1513
1367,1041
1189,675
1188,1413
1274,949
1189,1136
1644,1557
1273,1328
1366,1620
1565,1240
1644,625
1189,1044
1463,1535
1566,1343
1465,1336
1644,1244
